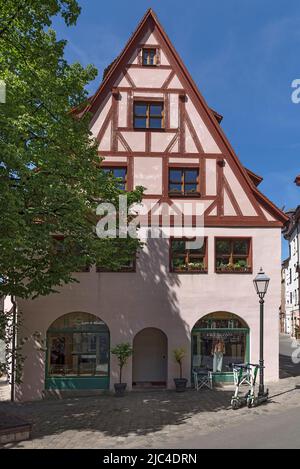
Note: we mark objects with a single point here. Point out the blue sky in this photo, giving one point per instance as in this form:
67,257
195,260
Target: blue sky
243,54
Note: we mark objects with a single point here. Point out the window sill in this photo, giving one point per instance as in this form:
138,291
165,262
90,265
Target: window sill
184,196
148,129
193,272
232,271
115,271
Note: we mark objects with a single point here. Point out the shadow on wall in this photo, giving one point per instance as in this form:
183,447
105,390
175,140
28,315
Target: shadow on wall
33,369
151,302
145,299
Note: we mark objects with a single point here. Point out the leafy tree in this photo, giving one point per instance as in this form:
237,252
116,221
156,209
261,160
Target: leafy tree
50,179
123,352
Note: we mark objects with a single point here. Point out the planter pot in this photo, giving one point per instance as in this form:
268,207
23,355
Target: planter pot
120,389
180,384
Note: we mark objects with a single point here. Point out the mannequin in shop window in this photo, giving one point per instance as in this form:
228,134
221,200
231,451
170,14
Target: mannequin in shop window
218,352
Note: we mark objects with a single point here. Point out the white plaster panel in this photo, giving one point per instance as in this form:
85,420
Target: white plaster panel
142,78
134,58
184,160
267,214
122,81
120,146
148,173
160,141
135,140
122,109
115,159
100,116
151,39
106,140
147,95
174,111
163,58
175,83
211,176
207,141
228,207
239,193
190,146
175,147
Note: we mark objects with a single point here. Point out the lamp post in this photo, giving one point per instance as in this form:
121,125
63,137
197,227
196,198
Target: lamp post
261,283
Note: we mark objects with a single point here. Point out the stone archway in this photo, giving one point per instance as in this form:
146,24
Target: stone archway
150,358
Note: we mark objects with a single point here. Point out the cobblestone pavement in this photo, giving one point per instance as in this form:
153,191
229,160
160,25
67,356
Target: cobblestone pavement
140,419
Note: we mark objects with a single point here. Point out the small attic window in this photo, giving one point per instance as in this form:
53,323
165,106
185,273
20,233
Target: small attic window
149,56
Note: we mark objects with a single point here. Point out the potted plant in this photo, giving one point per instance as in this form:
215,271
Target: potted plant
122,352
180,382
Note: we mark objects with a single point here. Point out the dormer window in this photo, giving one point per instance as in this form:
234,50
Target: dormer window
149,56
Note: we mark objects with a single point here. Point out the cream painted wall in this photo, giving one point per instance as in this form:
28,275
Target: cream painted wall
141,77
153,297
148,173
208,143
211,177
239,193
122,109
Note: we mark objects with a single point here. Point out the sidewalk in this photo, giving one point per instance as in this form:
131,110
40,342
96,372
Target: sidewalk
141,419
4,389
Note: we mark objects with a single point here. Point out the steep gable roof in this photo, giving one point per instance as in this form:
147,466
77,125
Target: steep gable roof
247,179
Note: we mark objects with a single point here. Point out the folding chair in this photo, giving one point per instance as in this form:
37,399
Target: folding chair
202,378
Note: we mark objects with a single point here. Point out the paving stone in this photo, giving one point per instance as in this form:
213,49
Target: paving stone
143,419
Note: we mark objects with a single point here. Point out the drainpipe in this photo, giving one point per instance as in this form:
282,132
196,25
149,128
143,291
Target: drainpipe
13,349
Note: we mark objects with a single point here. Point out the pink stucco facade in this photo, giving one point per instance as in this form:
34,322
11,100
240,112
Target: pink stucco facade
164,304
153,297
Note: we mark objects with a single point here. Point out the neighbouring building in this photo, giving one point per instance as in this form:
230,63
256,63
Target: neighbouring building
291,268
282,307
155,129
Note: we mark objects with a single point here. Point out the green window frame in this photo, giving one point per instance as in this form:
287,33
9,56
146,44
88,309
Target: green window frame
78,353
213,327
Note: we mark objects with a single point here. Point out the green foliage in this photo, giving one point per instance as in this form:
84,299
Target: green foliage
50,180
179,354
123,352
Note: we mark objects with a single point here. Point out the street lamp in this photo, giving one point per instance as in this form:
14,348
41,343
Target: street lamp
261,283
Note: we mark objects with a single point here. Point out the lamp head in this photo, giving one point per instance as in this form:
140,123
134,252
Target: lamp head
261,283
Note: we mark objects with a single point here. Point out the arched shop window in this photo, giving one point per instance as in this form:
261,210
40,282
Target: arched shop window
78,346
218,340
